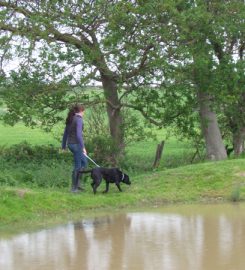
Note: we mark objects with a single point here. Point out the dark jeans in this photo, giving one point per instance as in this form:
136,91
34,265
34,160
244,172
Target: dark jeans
80,161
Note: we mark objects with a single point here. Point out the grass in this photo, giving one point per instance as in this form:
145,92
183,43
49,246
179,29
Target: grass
19,133
175,153
25,202
201,183
140,155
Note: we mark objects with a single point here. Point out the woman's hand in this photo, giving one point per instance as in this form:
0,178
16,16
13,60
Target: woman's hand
84,151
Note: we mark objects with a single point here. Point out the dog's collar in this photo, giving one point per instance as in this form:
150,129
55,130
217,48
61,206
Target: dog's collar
122,176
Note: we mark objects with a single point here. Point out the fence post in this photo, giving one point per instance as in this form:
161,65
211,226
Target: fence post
158,154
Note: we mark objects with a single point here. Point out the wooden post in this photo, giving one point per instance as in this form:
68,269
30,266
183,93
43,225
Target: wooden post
158,154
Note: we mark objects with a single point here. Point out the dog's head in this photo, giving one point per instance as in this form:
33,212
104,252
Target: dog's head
125,179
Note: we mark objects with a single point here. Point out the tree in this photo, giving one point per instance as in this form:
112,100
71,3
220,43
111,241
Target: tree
225,34
157,57
200,26
228,45
82,42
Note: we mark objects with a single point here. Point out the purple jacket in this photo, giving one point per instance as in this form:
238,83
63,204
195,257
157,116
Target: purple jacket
73,133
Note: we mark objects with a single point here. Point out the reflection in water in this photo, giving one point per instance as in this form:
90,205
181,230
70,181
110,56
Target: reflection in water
180,238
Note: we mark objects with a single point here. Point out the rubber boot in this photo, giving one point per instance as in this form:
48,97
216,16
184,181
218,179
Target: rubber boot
74,182
80,184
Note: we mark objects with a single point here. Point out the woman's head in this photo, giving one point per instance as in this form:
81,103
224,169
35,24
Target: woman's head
77,108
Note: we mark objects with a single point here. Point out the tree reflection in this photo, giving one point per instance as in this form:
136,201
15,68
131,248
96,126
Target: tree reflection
182,238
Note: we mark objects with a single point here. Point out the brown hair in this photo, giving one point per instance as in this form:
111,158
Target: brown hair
73,110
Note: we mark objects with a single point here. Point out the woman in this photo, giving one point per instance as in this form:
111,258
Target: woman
73,138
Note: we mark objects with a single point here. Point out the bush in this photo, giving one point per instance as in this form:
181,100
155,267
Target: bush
103,150
7,180
37,175
26,152
56,176
34,166
25,177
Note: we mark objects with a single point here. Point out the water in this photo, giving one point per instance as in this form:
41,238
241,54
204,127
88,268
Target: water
195,237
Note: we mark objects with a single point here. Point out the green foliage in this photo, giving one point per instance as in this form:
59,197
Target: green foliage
43,175
34,166
33,101
98,140
25,152
45,166
7,180
206,57
155,56
125,40
158,52
103,149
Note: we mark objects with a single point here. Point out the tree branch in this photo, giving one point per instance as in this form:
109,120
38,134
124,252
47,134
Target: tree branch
241,50
151,120
15,8
142,64
217,49
64,37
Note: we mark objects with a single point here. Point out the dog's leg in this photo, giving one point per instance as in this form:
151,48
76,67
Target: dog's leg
118,185
107,187
96,182
93,186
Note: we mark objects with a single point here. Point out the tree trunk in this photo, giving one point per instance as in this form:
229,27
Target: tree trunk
113,110
239,133
215,149
238,141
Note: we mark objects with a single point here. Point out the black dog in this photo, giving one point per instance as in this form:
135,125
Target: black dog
111,175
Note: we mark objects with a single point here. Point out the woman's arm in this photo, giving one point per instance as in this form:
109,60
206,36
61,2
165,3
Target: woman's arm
64,139
79,131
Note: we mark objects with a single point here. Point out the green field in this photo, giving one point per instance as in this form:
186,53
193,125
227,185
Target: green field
35,181
19,133
140,154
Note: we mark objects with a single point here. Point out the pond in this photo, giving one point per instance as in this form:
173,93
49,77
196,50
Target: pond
198,237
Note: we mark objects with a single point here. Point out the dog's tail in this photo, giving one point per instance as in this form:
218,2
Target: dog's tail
85,171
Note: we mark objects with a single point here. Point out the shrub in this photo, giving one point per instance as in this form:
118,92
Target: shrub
103,150
57,175
8,179
26,177
26,152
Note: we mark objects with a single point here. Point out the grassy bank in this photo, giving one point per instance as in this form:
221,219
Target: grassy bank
35,180
207,182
